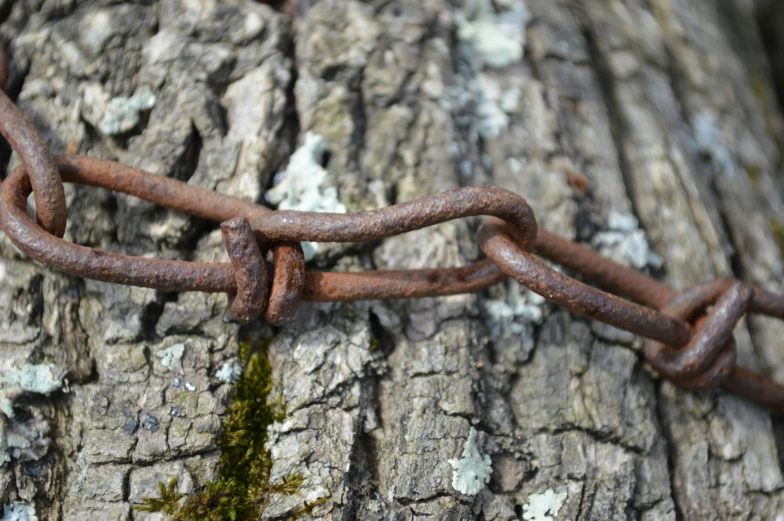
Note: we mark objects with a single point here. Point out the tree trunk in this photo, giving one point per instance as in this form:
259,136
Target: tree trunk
647,129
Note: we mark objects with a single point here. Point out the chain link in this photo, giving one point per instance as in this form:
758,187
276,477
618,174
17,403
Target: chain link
687,342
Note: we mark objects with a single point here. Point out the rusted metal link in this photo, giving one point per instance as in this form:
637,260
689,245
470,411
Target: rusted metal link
695,356
397,284
37,243
219,277
580,298
23,137
505,242
717,373
756,387
610,276
710,354
646,290
515,214
712,351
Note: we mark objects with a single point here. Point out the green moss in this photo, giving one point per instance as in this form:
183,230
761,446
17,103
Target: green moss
778,233
754,171
760,87
167,503
242,489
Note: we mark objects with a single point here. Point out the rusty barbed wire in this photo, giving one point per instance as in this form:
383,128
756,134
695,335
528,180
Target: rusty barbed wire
687,342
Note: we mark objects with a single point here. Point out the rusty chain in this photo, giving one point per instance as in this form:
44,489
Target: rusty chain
689,333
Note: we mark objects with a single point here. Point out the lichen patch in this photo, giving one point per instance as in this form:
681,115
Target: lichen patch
540,505
19,511
471,472
497,39
303,187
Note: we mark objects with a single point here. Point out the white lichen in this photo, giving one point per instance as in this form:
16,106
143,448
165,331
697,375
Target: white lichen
96,29
230,372
12,440
19,511
492,35
710,140
32,378
472,472
625,242
539,505
5,457
515,315
124,113
25,439
497,39
38,379
171,357
302,186
493,106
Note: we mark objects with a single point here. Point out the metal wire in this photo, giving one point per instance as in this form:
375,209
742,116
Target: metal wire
688,343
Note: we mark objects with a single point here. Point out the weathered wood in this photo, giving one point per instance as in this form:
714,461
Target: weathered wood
666,109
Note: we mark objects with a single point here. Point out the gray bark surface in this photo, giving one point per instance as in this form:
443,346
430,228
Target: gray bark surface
665,107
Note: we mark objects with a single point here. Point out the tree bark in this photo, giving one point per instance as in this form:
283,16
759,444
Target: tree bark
660,111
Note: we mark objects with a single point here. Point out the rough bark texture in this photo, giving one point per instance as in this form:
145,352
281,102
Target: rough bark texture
665,107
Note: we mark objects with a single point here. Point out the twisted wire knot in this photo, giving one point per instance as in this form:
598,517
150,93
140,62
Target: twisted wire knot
250,300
